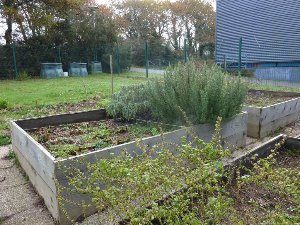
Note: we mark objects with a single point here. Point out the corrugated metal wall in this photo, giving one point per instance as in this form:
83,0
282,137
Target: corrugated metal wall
270,30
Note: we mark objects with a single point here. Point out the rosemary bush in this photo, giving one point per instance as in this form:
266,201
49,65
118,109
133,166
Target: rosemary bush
130,103
200,94
186,93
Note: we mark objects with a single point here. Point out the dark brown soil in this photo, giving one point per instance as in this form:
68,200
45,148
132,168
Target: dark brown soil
264,98
73,139
252,202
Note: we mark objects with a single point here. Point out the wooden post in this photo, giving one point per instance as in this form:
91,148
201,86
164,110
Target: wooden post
111,72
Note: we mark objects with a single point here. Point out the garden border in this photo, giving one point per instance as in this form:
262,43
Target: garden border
44,171
263,121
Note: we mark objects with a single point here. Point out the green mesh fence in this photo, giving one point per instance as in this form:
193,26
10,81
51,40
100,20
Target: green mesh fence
143,57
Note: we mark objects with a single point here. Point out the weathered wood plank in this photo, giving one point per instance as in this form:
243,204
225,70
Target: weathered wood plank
280,110
273,126
246,158
38,157
237,125
55,120
39,184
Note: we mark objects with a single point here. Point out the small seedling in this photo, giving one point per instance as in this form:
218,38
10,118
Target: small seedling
3,104
4,140
11,155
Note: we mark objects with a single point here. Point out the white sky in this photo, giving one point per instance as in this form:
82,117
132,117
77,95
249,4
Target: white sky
108,1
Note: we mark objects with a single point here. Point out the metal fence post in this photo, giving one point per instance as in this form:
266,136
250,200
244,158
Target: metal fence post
118,59
15,60
240,54
225,63
59,53
111,73
185,51
95,55
146,59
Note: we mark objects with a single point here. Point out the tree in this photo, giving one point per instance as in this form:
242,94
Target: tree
34,17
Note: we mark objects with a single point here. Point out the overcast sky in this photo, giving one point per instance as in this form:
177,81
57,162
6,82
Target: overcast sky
3,27
107,1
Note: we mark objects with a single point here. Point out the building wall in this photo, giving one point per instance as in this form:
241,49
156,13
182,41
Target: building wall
270,30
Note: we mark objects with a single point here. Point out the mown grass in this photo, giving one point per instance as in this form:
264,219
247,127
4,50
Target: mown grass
52,91
33,97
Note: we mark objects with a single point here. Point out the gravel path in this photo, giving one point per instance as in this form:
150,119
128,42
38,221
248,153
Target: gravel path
19,203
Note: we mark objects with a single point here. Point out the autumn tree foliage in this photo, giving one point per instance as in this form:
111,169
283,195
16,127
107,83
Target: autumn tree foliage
164,24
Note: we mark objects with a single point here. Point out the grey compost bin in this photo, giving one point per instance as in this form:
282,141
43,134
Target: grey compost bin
96,67
51,70
78,70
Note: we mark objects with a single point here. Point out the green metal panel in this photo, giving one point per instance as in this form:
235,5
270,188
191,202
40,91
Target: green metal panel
51,70
96,67
78,70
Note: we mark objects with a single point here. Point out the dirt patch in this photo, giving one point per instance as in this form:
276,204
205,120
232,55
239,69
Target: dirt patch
261,98
265,198
73,139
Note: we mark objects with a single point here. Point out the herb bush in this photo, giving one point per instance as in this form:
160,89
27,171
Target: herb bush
130,103
186,93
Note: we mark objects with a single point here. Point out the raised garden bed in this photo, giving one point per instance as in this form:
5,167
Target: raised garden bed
46,172
269,110
269,193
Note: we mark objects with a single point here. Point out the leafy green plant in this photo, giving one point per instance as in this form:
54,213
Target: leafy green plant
4,140
274,184
130,103
11,155
200,94
186,92
3,104
160,185
23,76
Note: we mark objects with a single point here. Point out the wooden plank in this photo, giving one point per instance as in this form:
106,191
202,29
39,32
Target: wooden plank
37,156
55,120
246,158
237,125
235,141
253,130
253,125
39,184
273,126
71,207
280,110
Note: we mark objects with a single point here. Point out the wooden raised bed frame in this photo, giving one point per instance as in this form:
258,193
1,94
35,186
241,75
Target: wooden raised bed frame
263,121
45,172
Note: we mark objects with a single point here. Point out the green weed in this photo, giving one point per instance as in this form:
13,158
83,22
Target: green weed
4,140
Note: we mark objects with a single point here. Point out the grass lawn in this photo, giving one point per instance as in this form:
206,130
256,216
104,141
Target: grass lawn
36,97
